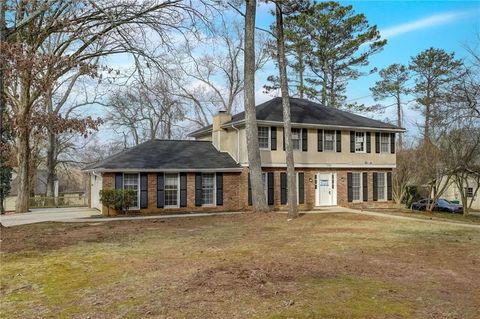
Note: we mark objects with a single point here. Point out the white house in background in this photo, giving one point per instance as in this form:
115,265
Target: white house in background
453,193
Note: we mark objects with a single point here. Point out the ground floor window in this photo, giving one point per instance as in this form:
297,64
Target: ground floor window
382,186
171,190
131,181
208,189
357,186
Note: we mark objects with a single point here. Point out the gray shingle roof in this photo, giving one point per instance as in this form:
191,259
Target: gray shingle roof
307,112
168,154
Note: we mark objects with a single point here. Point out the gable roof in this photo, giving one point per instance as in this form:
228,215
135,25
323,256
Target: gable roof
306,112
164,155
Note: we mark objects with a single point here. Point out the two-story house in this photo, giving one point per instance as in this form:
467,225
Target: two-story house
340,158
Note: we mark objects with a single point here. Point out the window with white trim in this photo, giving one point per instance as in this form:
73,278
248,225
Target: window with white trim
172,193
208,189
131,181
382,186
329,141
357,186
265,185
264,137
296,138
469,191
384,142
360,142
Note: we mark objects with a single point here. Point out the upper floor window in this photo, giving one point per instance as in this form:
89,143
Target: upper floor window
296,138
385,143
360,142
469,191
264,137
329,140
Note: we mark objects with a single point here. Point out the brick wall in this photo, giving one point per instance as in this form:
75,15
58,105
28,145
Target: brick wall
231,195
235,191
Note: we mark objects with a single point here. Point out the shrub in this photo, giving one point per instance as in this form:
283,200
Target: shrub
118,199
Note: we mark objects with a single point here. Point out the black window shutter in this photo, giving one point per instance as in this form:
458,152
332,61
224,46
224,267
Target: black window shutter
144,190
365,186
198,189
270,188
377,142
339,141
369,142
219,189
183,189
349,187
249,191
352,141
304,139
283,188
392,143
160,190
320,140
283,130
389,185
119,181
375,186
301,188
273,138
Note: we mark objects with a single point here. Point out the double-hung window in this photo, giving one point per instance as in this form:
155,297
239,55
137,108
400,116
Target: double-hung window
469,191
357,186
264,137
360,142
296,138
131,181
208,189
382,185
385,143
329,141
172,193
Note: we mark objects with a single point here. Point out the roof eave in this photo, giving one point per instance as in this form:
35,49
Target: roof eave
312,125
158,170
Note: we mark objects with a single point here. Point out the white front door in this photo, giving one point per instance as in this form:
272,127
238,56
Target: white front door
96,187
326,189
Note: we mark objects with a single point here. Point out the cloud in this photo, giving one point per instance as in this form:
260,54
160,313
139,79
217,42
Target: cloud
427,22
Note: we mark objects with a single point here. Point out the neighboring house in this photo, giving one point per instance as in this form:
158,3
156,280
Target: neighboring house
453,193
340,158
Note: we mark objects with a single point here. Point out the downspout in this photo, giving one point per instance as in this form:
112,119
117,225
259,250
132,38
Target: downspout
238,143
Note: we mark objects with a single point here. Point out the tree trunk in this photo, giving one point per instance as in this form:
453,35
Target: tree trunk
399,121
254,160
3,31
51,166
301,70
287,124
23,171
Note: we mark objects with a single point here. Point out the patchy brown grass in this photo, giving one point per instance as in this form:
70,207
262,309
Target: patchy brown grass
441,216
250,266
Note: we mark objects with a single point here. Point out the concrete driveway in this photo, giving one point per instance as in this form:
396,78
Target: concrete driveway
40,215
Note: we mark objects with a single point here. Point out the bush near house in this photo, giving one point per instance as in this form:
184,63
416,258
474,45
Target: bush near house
118,199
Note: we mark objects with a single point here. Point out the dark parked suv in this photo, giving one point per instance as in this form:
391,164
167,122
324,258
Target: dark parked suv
441,205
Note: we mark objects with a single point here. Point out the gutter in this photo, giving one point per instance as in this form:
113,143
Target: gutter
327,126
168,170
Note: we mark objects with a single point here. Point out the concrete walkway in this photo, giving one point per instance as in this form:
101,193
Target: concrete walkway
84,215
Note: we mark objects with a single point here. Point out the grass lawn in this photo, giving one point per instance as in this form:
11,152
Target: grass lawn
443,216
317,266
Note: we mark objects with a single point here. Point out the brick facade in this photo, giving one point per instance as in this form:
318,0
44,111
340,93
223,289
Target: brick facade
235,191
